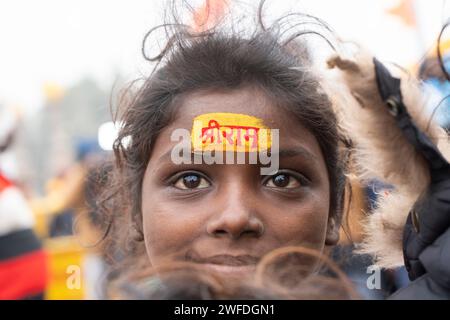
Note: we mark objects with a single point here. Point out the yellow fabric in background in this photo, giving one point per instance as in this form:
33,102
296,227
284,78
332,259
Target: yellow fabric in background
66,265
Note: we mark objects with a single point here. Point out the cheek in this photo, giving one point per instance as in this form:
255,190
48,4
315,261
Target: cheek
168,229
302,223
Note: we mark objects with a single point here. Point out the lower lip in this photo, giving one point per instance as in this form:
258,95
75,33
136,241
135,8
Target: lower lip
239,271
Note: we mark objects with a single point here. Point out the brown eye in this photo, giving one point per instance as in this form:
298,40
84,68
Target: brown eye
283,180
191,181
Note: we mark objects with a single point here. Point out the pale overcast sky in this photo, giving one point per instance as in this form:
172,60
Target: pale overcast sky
60,41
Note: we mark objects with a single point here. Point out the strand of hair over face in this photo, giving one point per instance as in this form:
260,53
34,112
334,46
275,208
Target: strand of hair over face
185,280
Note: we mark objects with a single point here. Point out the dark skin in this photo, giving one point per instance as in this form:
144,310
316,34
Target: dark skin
227,216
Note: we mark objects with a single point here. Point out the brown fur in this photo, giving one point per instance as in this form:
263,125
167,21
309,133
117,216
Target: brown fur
381,150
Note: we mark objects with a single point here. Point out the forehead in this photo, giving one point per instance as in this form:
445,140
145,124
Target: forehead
240,101
244,101
247,101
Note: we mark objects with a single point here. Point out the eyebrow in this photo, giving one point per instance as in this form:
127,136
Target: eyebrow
297,151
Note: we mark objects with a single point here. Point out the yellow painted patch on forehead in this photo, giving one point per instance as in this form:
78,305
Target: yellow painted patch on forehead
229,132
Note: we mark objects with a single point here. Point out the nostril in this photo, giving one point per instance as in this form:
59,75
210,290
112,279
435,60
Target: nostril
220,232
249,232
235,228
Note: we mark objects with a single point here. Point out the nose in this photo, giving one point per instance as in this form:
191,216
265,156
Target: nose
238,216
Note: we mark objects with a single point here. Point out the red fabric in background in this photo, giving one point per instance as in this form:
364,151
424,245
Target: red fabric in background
4,183
23,276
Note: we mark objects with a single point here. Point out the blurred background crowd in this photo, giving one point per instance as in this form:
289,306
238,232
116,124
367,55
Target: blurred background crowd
61,66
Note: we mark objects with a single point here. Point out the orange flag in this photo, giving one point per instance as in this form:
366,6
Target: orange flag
405,11
209,14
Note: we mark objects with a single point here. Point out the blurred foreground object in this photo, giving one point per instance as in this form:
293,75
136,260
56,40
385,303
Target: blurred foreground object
392,126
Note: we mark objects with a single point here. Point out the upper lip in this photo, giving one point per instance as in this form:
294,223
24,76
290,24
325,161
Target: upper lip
225,259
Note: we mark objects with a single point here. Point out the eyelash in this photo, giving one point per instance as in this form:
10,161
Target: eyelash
299,178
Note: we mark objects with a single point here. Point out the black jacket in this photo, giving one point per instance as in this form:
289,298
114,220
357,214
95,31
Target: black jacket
426,239
435,282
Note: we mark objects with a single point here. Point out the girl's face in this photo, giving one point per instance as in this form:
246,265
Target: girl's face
228,216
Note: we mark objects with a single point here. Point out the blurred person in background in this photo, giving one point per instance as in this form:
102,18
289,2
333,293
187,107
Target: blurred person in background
23,262
431,73
69,219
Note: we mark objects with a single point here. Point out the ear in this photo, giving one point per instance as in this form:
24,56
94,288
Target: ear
332,235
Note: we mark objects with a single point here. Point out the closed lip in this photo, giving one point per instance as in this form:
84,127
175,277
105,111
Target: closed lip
239,272
233,266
